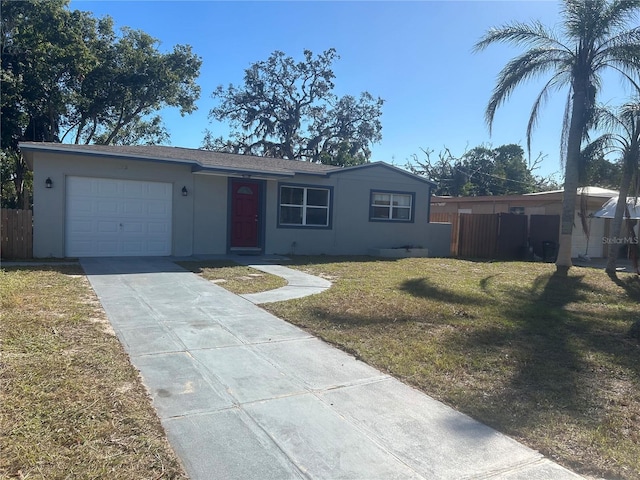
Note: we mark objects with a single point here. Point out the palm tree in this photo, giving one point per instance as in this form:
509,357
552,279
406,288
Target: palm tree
593,39
625,123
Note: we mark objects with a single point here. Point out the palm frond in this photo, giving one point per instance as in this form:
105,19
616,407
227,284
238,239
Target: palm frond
554,83
628,38
630,77
606,119
605,143
580,17
530,64
630,115
621,51
589,21
534,35
620,12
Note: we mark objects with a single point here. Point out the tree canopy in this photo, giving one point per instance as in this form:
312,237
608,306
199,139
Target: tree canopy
287,109
480,171
68,76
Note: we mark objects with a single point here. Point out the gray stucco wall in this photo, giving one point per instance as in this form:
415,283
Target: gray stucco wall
210,214
352,232
49,204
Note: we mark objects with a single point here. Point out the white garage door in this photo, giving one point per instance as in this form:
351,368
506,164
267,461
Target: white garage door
106,218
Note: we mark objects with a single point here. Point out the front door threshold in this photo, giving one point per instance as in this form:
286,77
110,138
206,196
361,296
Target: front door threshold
246,250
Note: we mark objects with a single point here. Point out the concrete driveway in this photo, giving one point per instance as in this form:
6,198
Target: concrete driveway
245,395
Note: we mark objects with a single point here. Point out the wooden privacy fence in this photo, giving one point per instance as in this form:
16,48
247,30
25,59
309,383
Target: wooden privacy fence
500,235
16,229
477,235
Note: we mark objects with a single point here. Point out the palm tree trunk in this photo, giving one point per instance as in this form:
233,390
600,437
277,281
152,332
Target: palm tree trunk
18,182
616,227
571,179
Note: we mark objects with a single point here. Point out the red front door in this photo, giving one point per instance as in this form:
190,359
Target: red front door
244,214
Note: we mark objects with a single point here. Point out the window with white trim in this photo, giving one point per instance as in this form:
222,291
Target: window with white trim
304,206
391,206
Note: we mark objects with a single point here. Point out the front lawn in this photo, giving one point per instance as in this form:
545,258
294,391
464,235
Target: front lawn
546,360
543,359
71,404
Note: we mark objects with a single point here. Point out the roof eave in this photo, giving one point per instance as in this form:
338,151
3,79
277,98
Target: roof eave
51,148
240,172
384,165
197,167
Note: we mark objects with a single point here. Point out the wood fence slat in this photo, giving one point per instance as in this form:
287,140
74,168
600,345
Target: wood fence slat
13,231
4,227
19,237
17,233
29,234
478,234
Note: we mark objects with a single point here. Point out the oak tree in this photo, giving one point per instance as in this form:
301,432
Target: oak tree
287,109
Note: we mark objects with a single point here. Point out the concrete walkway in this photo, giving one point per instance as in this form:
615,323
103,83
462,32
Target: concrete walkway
245,395
299,284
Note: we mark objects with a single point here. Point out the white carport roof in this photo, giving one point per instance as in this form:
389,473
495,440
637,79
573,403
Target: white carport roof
608,210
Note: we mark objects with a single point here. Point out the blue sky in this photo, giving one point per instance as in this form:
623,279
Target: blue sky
416,55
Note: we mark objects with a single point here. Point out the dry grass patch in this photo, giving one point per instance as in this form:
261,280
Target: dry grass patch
236,278
544,359
71,405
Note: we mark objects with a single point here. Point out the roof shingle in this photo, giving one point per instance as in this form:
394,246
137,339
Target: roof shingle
205,159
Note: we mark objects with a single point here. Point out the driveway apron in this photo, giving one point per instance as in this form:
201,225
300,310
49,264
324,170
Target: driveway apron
245,395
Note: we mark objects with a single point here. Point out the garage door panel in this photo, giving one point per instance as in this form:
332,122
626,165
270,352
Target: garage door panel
130,227
106,217
134,248
84,188
105,206
157,228
158,209
81,226
104,187
105,248
134,189
80,207
132,208
107,227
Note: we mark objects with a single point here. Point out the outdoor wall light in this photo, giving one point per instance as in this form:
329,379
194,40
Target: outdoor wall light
48,183
184,191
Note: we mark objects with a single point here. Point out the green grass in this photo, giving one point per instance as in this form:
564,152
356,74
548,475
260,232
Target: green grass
71,405
544,359
235,278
